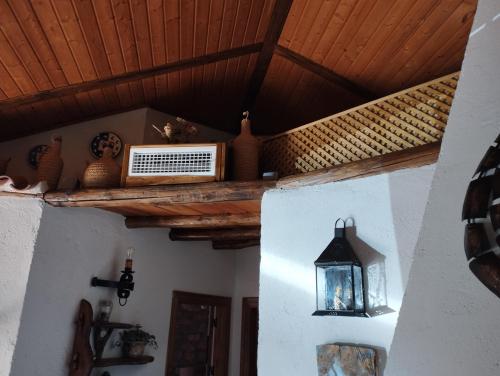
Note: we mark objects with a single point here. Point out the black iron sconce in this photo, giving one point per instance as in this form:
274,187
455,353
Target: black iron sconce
339,279
125,285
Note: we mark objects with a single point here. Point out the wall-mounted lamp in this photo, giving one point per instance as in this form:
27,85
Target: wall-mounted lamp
124,285
339,279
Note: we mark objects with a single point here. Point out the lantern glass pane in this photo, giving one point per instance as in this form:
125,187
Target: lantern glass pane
358,289
321,288
338,288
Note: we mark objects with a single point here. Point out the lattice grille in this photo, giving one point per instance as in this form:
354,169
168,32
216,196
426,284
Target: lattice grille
409,118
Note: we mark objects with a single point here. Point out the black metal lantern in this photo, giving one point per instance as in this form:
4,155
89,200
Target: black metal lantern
339,279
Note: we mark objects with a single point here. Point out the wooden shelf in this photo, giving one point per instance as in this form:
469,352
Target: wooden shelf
109,362
227,213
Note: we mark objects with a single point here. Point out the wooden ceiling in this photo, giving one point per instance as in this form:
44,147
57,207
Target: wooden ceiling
290,61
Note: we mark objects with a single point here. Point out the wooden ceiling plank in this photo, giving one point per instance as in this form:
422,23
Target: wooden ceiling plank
111,46
157,33
16,70
276,24
429,48
128,44
33,31
325,73
352,25
14,35
359,41
400,35
140,22
308,20
380,37
293,21
172,24
425,32
7,84
70,26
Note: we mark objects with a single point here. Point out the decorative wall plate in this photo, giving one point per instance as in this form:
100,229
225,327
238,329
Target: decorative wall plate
103,138
35,153
481,210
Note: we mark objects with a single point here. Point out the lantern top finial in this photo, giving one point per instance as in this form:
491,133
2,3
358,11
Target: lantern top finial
339,251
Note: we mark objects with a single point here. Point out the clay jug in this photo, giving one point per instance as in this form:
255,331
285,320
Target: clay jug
50,164
103,173
246,149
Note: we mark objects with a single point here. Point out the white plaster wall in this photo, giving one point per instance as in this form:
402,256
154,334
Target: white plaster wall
449,321
296,227
20,222
246,285
76,244
75,146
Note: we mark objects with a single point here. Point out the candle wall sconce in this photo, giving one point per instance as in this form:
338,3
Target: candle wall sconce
339,279
125,285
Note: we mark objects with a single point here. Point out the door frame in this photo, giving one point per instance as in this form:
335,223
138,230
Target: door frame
221,332
247,305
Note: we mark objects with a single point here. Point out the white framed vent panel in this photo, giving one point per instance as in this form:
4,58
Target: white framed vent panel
173,164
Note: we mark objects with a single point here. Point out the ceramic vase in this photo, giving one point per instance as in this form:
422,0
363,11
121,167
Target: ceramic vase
246,149
104,173
50,164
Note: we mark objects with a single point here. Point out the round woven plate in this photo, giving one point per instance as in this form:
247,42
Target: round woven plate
103,138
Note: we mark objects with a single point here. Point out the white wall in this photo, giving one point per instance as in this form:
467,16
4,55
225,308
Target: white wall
20,222
246,285
296,227
75,244
449,323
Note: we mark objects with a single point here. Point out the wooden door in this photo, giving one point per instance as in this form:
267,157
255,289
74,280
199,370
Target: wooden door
249,336
198,343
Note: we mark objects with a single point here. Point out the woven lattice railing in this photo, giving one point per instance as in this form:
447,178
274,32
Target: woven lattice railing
409,118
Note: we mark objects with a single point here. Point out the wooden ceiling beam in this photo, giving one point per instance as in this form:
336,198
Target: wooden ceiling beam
130,76
196,221
274,30
235,234
235,244
325,73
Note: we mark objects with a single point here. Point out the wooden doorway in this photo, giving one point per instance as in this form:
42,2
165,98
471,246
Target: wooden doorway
198,340
249,336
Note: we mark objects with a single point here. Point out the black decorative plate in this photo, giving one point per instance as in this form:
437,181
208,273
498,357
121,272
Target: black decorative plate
35,153
103,138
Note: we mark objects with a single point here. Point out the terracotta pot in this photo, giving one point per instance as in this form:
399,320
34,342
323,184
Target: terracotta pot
133,349
104,173
246,148
51,164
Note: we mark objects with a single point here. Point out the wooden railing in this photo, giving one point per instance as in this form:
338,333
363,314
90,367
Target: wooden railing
409,118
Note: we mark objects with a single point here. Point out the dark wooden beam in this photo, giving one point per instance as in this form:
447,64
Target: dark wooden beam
130,76
235,244
196,221
408,158
274,30
166,194
325,73
195,234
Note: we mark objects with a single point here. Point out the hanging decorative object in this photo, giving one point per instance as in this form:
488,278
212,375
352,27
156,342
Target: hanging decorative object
50,164
125,285
481,210
104,139
246,149
104,173
177,131
339,279
35,153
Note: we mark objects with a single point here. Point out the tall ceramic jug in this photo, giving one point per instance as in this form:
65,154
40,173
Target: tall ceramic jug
246,148
50,164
